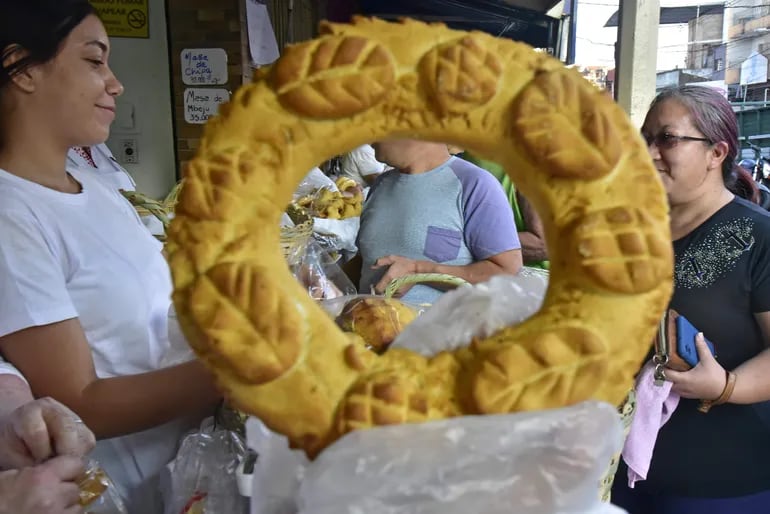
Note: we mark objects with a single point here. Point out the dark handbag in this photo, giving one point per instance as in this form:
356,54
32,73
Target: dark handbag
675,343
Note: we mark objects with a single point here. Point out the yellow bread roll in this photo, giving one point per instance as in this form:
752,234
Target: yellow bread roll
377,320
571,150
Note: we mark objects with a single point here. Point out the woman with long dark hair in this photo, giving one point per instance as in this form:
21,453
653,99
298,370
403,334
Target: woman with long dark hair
84,288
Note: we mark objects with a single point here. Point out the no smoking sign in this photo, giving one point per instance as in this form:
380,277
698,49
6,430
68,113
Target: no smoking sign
124,18
137,19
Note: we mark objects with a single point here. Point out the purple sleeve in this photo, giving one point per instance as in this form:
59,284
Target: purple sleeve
489,225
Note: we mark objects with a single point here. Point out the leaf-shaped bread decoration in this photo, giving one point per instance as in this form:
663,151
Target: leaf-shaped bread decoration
540,371
237,307
333,77
565,129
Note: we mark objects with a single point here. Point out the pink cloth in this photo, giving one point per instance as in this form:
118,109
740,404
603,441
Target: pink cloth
654,407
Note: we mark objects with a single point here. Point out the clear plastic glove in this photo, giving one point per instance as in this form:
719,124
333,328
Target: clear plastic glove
48,488
39,430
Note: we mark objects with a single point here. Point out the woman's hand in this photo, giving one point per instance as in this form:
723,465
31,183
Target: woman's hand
48,488
39,430
706,381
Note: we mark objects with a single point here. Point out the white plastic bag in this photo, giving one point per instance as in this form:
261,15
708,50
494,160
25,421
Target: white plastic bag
546,462
339,235
315,179
277,472
478,311
331,234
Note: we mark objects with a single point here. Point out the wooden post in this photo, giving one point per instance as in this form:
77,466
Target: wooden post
636,56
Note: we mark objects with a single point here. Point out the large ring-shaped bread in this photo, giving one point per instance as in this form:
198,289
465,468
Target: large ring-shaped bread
570,149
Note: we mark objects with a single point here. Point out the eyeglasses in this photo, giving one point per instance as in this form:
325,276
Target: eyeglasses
666,141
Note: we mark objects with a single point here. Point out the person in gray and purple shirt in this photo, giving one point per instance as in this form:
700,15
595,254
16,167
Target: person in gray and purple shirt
434,213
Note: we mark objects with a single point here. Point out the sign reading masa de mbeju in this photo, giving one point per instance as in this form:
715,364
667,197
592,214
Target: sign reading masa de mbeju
124,18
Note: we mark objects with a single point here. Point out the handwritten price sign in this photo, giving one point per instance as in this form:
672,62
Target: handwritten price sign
200,104
204,66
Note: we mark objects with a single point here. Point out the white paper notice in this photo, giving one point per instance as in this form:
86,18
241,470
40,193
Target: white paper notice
201,104
262,43
204,66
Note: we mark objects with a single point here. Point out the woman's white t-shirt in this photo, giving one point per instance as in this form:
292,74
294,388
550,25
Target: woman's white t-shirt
113,175
88,256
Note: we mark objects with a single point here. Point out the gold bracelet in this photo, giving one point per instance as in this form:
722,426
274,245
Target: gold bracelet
727,392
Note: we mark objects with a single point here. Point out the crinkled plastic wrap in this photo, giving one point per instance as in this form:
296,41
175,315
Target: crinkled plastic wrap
277,472
378,320
545,462
335,306
465,313
314,180
203,475
321,275
98,494
334,235
337,235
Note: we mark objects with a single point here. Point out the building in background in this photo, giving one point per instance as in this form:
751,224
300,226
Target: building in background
705,42
691,47
688,38
747,24
597,75
748,33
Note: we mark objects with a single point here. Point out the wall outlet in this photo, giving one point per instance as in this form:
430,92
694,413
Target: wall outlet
129,151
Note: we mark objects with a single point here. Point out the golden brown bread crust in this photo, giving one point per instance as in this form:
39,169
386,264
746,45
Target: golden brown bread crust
377,320
314,79
460,75
569,148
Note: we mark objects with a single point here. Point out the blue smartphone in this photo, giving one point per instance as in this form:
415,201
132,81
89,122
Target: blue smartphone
685,341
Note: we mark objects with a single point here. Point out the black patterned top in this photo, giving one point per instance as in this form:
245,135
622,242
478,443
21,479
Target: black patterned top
722,277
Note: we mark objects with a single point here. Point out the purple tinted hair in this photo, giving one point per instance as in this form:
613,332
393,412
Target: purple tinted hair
714,117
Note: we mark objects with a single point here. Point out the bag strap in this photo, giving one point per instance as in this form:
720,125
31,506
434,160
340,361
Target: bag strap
662,349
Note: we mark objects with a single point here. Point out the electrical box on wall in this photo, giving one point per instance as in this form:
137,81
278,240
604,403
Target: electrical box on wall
125,117
129,151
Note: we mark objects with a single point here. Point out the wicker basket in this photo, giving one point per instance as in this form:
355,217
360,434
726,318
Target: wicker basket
294,239
418,278
161,209
146,206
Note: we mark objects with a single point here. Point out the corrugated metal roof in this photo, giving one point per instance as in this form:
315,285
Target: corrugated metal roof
537,5
495,17
675,15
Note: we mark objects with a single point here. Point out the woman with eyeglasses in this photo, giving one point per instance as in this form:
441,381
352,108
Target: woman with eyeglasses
713,462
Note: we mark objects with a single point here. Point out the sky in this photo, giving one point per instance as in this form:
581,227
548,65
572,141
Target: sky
595,43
